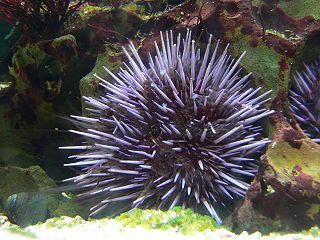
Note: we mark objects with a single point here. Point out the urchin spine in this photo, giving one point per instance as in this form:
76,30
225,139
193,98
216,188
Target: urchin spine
178,132
304,100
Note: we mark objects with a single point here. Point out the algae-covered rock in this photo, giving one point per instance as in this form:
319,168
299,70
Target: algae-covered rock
15,180
246,218
44,85
89,84
26,209
287,188
69,206
292,170
269,69
294,166
20,194
271,38
301,8
42,67
277,36
29,195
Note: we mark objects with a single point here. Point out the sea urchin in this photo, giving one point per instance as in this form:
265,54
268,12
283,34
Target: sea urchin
178,131
305,99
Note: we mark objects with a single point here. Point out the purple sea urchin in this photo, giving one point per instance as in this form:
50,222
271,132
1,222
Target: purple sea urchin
177,132
305,100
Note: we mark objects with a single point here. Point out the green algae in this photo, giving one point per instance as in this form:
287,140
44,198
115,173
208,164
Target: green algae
296,8
262,61
182,220
301,8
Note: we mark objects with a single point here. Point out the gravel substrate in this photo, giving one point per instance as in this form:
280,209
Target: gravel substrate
66,228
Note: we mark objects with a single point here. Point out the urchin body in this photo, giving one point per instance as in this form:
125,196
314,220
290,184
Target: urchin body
179,131
305,99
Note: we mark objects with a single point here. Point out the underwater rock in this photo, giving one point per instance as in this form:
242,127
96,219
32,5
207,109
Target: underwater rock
19,191
287,188
26,209
96,26
44,85
293,8
247,219
285,191
89,85
42,67
22,188
272,39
